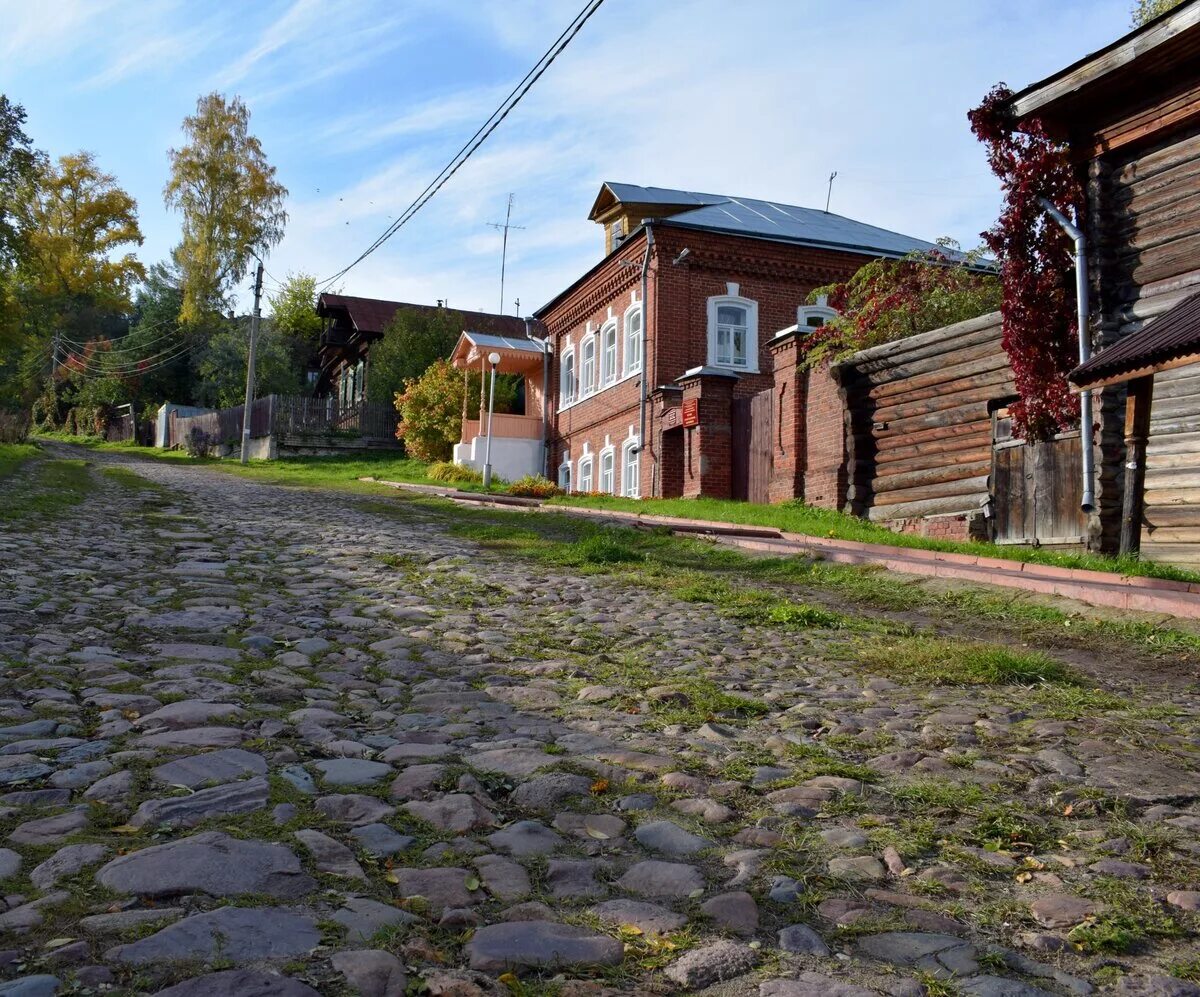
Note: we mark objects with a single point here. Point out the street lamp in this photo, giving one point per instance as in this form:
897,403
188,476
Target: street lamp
493,359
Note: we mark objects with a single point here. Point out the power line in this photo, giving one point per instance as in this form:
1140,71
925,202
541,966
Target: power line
123,366
480,136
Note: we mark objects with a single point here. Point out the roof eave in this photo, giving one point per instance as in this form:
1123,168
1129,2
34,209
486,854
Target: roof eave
1037,97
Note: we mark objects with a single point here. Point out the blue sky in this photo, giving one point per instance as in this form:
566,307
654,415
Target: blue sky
360,103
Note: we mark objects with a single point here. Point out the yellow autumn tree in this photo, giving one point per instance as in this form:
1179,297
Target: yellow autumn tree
75,220
232,205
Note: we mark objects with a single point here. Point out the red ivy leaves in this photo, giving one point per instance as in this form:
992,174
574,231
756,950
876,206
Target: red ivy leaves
1037,269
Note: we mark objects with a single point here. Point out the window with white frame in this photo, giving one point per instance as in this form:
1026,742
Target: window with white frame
733,332
608,353
815,316
587,367
630,469
586,475
566,377
633,339
608,460
564,473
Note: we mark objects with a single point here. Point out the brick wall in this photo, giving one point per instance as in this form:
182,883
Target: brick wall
776,276
824,441
968,526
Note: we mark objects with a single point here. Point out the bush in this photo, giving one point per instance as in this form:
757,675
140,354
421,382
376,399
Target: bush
198,442
534,486
446,471
14,427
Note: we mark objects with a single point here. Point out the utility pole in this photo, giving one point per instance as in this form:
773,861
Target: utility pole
829,192
504,246
258,279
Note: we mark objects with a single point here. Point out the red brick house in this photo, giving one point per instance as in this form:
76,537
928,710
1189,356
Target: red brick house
692,293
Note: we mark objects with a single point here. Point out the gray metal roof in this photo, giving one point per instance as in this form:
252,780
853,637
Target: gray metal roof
772,220
489,341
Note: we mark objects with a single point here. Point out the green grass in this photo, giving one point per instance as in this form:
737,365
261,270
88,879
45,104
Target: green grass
796,517
13,455
54,486
942,661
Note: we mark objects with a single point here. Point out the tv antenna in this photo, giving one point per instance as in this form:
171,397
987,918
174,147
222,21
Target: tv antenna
829,192
507,224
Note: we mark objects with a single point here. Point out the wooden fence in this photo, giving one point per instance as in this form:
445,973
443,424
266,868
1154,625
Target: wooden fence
290,416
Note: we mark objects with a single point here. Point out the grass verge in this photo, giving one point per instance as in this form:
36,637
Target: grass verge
13,455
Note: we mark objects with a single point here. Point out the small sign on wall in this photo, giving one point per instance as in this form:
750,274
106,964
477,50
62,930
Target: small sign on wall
691,411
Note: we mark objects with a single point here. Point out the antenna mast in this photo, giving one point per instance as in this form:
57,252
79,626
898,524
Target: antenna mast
829,192
504,250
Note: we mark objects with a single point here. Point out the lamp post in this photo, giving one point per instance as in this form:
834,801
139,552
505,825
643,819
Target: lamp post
494,360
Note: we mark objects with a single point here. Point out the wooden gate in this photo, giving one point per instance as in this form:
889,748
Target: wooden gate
751,429
1036,487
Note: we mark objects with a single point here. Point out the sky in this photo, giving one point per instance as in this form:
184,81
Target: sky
360,103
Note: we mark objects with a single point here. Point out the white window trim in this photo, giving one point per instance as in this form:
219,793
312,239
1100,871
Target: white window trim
630,489
751,307
588,389
610,377
568,354
820,310
608,453
565,471
587,467
629,371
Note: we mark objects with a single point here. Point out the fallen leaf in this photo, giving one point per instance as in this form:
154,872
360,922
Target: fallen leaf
595,832
600,786
472,883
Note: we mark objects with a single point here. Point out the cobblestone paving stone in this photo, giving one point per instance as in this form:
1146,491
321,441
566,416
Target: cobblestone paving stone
271,741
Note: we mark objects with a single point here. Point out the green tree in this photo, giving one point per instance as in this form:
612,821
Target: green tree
1148,10
412,341
294,313
232,206
18,170
221,365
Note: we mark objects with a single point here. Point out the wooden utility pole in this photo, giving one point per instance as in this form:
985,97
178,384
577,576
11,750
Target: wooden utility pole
1137,431
258,279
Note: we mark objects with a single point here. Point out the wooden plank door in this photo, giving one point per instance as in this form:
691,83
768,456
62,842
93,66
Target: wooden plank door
1036,487
739,447
762,450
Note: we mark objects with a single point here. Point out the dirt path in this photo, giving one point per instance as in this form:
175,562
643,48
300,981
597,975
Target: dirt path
255,737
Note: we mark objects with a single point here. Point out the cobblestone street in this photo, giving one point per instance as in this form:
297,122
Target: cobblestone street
267,741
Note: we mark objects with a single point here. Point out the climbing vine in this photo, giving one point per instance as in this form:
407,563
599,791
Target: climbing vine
888,300
1037,270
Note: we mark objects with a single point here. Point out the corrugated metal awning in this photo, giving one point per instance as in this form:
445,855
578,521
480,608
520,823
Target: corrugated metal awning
1170,340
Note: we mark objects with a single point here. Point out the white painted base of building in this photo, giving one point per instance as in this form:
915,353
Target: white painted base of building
511,458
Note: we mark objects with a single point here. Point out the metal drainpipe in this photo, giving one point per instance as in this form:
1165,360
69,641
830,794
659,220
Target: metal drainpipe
1087,447
642,393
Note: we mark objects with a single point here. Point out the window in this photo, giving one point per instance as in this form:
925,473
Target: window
814,316
608,461
733,333
564,473
587,367
566,375
630,469
608,360
616,232
586,465
633,339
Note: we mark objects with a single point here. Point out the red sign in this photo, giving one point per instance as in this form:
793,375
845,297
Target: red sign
691,411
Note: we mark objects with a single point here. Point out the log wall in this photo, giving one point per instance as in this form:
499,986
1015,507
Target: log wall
1145,205
920,435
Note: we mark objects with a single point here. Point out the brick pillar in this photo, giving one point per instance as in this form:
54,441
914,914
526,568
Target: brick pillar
826,457
669,445
707,452
789,393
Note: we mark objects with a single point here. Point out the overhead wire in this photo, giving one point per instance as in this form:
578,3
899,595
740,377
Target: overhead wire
481,135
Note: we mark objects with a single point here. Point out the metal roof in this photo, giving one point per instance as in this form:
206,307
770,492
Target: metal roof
1174,335
483,339
773,220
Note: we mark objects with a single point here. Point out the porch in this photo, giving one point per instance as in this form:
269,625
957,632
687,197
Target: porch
518,441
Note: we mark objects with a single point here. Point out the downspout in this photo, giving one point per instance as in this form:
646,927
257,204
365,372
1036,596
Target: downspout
642,392
1087,447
